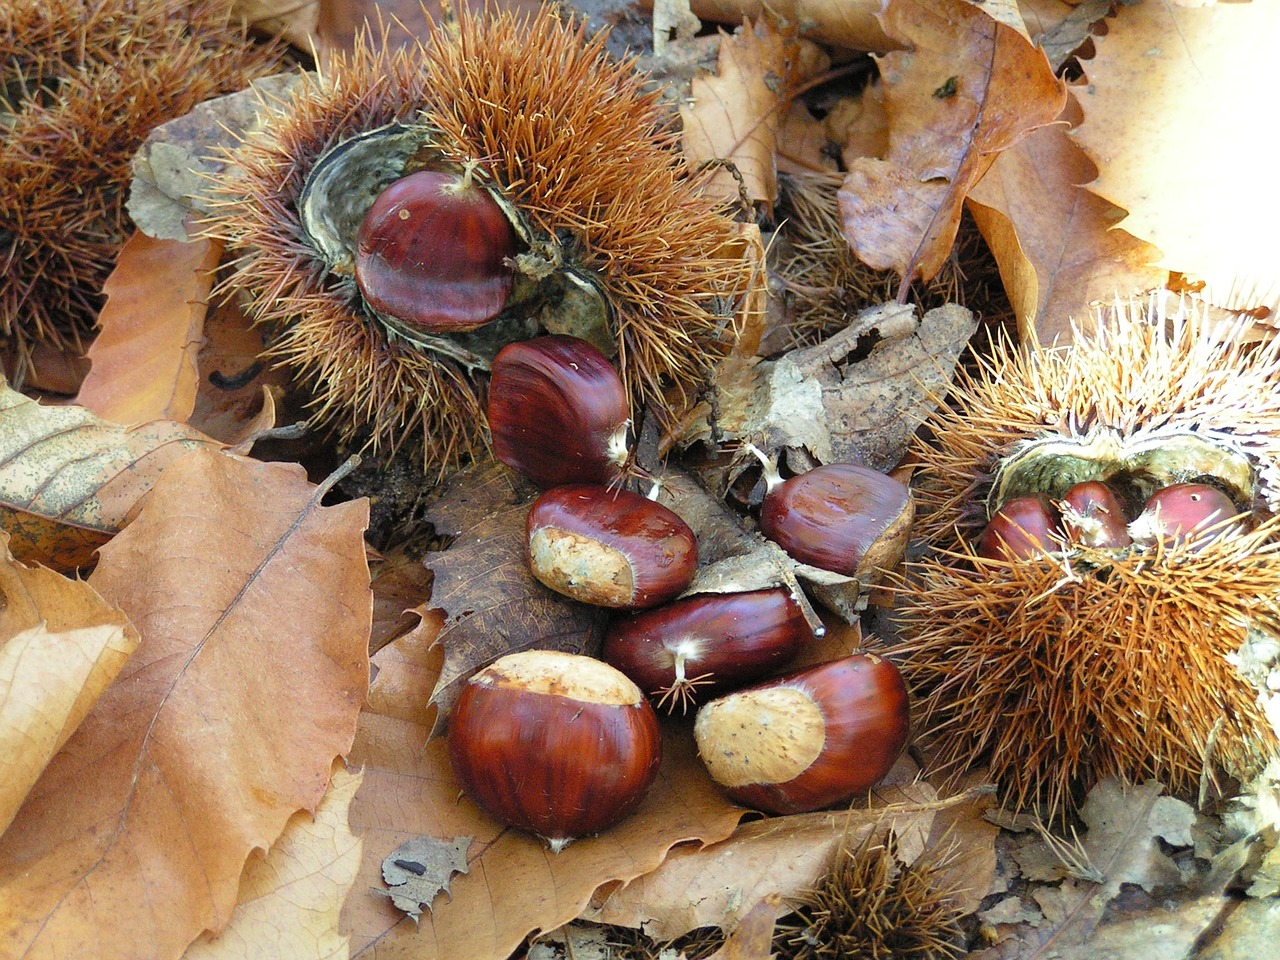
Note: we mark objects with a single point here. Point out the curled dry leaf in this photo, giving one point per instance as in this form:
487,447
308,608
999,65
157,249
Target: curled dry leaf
253,605
69,481
514,885
290,896
1057,244
144,357
969,88
492,603
61,645
730,122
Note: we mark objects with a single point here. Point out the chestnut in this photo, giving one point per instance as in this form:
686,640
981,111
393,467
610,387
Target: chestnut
695,647
558,411
433,252
1022,529
841,517
808,739
610,548
1093,516
1184,512
557,744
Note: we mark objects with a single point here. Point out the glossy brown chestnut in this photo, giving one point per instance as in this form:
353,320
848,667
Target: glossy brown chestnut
558,411
808,739
688,650
554,743
1093,516
1184,512
841,517
610,548
1022,529
433,251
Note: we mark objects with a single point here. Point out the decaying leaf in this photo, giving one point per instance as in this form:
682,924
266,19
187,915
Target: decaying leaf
514,884
852,24
1057,244
1086,898
61,645
237,386
816,399
69,481
418,871
733,118
170,172
717,885
144,357
253,605
1175,101
492,603
290,896
969,88
752,938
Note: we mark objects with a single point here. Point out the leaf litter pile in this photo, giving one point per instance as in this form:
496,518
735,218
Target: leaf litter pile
257,545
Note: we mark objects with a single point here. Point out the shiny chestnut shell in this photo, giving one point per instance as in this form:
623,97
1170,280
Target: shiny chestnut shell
610,548
1024,528
558,411
554,743
842,517
691,649
808,739
432,252
1184,512
1093,515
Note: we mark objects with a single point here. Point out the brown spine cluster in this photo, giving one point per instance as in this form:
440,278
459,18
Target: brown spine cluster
569,138
85,82
1081,661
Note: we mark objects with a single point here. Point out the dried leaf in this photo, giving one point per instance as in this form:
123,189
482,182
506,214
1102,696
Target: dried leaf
69,481
420,870
752,939
1057,244
1175,101
493,604
401,589
293,21
852,24
235,381
969,88
290,897
717,885
514,885
731,121
61,645
171,170
253,604
144,357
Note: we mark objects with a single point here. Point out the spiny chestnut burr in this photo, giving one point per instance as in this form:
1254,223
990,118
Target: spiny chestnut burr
609,548
1022,529
690,649
558,411
554,743
1184,513
841,517
433,253
1093,516
809,739
1123,665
